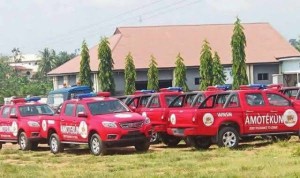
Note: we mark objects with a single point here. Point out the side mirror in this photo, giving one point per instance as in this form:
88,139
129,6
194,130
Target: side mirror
132,108
13,116
81,114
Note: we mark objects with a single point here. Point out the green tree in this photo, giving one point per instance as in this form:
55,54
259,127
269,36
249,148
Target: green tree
206,66
106,65
238,43
180,73
130,75
47,61
62,57
295,43
152,75
218,73
85,69
17,55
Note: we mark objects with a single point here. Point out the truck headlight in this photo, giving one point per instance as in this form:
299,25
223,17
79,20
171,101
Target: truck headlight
147,120
33,124
109,124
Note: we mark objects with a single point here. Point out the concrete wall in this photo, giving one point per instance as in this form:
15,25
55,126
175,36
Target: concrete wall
270,69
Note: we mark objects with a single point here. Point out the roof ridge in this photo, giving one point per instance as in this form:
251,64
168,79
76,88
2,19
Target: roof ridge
188,25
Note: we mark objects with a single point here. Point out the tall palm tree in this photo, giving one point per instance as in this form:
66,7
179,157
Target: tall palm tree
47,61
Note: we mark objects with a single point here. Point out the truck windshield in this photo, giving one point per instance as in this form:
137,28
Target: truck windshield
55,100
35,110
107,107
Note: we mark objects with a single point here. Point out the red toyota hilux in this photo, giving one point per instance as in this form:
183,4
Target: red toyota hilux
100,122
20,122
226,117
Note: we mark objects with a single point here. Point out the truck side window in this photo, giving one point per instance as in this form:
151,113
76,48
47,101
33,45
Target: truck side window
233,102
80,108
254,99
277,100
69,109
5,112
154,103
178,102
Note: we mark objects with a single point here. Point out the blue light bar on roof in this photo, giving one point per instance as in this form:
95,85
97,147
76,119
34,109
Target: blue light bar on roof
175,88
86,95
223,87
259,86
147,91
34,99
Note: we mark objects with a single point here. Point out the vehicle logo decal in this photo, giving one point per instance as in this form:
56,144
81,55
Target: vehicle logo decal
123,115
14,128
173,119
208,119
44,125
290,118
144,114
83,130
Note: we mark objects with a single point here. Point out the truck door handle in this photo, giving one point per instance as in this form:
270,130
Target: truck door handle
272,111
249,111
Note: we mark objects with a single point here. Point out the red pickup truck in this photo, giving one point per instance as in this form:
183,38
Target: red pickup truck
20,122
100,122
226,117
157,110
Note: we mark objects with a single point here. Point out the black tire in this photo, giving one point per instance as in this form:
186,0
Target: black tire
97,147
55,144
284,137
155,138
200,142
24,142
170,140
187,141
228,137
0,146
142,147
34,145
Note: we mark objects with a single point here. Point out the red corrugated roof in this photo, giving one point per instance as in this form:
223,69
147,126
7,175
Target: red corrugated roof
264,44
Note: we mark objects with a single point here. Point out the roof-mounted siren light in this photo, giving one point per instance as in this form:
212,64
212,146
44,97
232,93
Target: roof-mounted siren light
143,92
178,89
24,100
253,87
275,86
86,95
103,94
218,87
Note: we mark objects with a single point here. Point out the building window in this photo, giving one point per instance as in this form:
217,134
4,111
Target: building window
263,76
197,81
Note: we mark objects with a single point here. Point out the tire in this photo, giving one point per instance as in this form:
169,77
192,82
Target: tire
284,137
0,146
142,147
155,138
200,142
24,142
55,145
170,140
97,147
228,137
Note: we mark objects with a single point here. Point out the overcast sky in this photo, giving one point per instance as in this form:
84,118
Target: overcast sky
32,25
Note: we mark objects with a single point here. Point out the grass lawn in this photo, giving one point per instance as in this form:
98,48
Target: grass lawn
257,159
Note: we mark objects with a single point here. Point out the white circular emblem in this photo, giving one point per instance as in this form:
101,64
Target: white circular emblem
123,115
44,125
290,118
83,130
144,114
173,119
208,119
14,128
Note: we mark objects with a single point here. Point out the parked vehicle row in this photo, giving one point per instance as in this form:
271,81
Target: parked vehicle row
201,118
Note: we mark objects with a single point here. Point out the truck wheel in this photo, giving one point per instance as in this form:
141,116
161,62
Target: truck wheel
142,147
155,138
200,142
24,142
97,147
0,146
284,137
170,140
228,137
55,145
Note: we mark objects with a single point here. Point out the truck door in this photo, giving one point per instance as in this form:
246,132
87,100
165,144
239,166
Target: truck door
5,124
81,123
154,110
67,123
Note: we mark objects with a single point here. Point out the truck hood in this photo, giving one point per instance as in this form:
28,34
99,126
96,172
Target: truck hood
120,117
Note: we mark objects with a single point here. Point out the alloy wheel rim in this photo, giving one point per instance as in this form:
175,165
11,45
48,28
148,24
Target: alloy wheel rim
54,144
153,137
22,142
95,145
229,139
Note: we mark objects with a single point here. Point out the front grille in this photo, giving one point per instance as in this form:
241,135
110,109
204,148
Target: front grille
132,125
133,135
